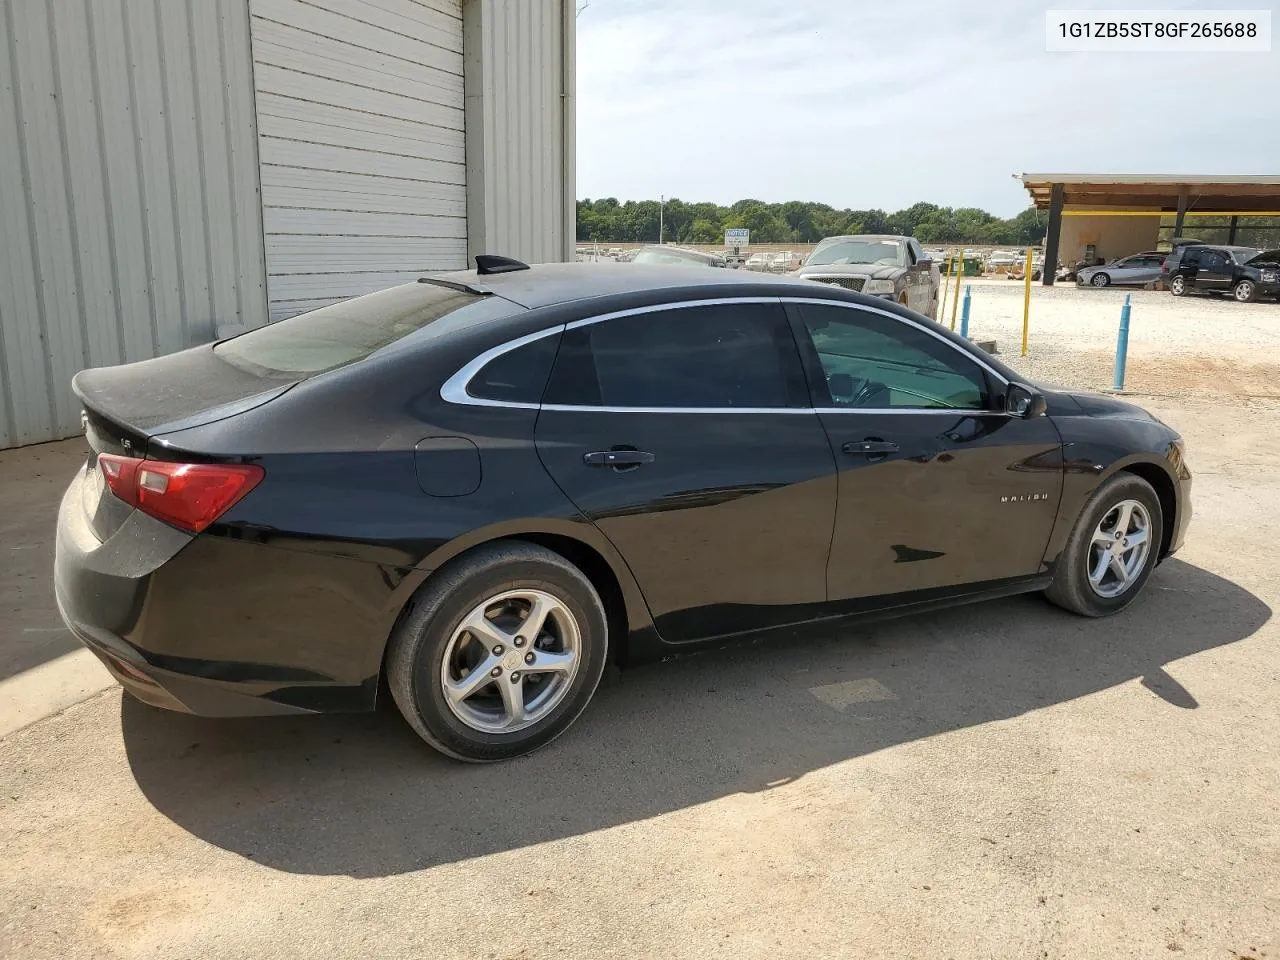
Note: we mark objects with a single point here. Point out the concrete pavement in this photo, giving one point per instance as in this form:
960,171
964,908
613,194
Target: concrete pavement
1001,780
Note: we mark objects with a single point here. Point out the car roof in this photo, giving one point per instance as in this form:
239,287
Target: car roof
867,236
546,284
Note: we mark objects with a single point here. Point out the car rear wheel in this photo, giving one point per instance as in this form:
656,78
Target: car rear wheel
1112,549
1245,291
1100,280
1177,286
499,652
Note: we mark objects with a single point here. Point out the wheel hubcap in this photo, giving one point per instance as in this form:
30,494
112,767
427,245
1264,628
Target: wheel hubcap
511,661
1244,291
1119,549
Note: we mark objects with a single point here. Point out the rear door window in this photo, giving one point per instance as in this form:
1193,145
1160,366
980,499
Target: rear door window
736,355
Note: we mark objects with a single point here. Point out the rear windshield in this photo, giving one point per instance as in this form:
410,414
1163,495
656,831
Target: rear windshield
346,332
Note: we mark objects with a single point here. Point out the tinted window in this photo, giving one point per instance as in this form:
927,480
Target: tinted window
1212,260
728,355
517,376
354,329
874,361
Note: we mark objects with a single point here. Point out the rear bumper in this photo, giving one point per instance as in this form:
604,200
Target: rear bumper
194,625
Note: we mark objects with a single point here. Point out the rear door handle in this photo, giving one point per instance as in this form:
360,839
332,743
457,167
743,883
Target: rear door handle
617,458
870,448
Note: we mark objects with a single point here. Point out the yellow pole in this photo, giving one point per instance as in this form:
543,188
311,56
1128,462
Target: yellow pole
955,294
946,285
1026,300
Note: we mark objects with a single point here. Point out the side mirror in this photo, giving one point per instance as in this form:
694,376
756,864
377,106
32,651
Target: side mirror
1024,402
925,261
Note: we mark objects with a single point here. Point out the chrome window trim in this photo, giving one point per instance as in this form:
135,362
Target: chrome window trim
455,389
572,408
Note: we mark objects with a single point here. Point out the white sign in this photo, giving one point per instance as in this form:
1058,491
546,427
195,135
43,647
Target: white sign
736,237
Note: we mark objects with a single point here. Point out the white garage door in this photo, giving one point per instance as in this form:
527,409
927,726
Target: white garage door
359,108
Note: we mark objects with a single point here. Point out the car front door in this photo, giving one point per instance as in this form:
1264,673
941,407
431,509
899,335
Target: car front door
1123,270
914,279
685,434
1214,270
938,486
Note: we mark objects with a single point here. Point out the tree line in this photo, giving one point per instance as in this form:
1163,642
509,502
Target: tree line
797,221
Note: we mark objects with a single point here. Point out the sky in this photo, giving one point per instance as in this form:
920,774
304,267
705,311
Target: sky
882,104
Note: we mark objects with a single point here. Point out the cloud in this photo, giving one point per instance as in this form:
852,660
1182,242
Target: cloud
880,106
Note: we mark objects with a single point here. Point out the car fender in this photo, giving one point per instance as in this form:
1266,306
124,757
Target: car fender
578,530
1086,467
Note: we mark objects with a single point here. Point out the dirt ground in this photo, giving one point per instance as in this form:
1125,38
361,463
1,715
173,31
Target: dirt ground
1001,780
1183,347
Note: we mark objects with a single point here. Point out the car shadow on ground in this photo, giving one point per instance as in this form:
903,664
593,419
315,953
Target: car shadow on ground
361,796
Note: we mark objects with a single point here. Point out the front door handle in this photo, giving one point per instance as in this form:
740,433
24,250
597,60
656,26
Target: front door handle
617,458
870,448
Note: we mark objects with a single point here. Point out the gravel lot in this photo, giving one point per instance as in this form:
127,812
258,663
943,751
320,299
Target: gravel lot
997,781
1188,346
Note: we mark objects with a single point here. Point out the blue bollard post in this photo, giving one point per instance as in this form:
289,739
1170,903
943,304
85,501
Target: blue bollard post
1122,345
964,313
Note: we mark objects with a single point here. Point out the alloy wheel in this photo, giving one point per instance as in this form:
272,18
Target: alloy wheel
1244,291
511,661
1100,280
1176,286
1119,549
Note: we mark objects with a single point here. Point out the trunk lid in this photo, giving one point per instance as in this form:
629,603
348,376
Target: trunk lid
126,406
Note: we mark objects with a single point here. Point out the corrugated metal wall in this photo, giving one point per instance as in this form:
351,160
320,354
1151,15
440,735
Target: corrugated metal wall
516,117
360,132
128,192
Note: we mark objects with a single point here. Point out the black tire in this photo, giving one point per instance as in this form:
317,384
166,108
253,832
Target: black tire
1071,589
1245,291
420,639
1100,280
1178,286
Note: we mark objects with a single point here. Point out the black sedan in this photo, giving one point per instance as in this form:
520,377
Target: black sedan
485,486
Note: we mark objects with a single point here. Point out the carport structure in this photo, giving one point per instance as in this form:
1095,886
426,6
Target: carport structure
1089,195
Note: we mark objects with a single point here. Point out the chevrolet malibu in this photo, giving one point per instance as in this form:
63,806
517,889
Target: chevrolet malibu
477,490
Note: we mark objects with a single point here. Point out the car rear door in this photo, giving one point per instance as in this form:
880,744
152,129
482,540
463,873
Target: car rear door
938,486
685,434
1214,270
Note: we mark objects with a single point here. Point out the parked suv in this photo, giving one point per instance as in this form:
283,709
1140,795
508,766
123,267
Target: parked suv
1245,272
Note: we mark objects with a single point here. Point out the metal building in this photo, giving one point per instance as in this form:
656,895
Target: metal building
172,167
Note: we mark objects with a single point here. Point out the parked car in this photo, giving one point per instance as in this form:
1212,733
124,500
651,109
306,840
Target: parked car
892,267
759,262
677,256
482,487
1210,268
1136,270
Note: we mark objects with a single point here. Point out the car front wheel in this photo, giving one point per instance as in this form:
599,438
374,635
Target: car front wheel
499,652
1177,286
1100,280
1111,550
1246,291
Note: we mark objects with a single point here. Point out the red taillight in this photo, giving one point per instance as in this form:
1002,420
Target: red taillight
187,495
